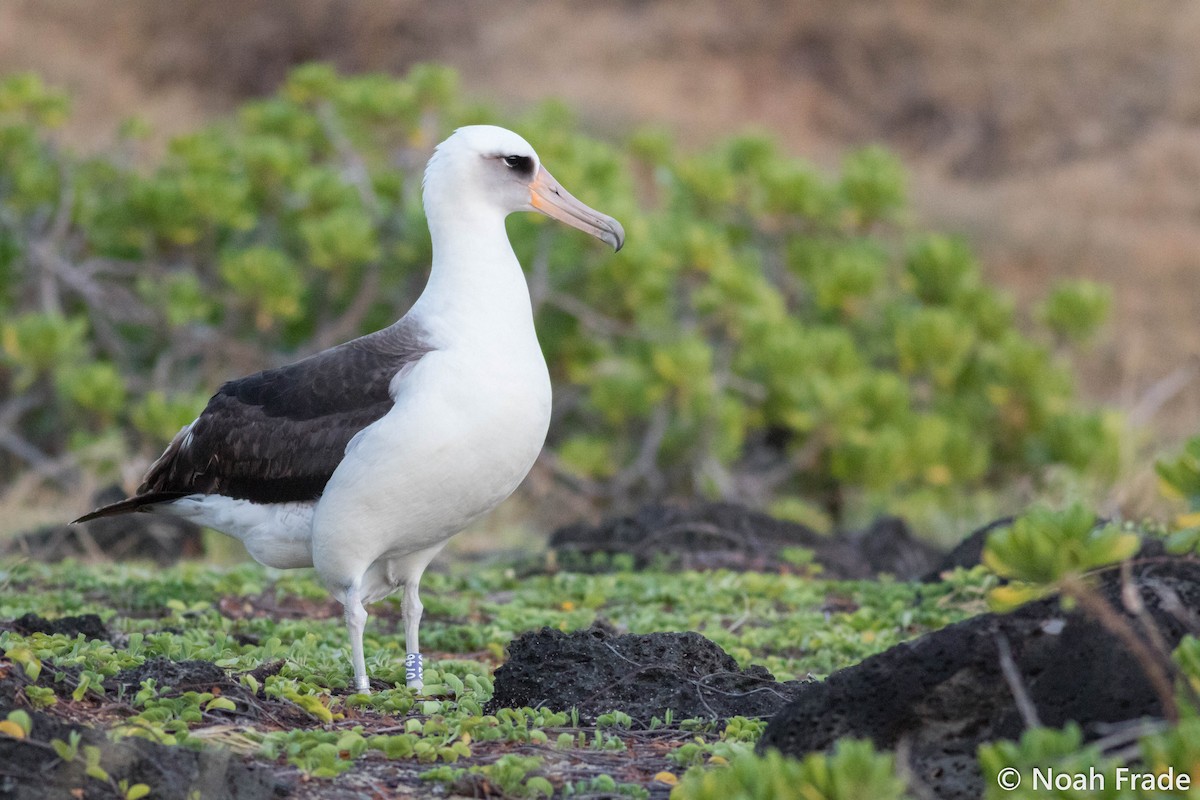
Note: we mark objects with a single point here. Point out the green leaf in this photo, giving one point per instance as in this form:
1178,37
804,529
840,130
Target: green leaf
854,770
220,704
942,269
1044,547
21,719
1075,309
91,759
97,387
312,704
69,749
589,456
341,239
1179,475
38,343
137,791
268,280
873,181
30,664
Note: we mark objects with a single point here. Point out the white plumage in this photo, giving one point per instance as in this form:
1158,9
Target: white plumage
454,409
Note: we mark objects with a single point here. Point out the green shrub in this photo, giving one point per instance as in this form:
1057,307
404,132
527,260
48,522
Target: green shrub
1075,310
762,315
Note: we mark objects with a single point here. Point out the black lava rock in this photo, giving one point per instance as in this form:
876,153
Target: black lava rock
180,676
944,693
32,770
732,536
595,671
87,625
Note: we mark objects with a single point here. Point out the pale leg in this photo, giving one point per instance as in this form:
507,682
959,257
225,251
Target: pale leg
356,622
407,572
411,611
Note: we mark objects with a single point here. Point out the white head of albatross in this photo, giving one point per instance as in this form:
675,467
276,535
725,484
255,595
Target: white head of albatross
483,167
364,459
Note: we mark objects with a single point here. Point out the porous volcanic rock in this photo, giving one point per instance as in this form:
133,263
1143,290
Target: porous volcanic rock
596,671
944,693
732,536
181,676
87,625
31,770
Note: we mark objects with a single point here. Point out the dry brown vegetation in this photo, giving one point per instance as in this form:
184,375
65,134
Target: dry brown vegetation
1063,138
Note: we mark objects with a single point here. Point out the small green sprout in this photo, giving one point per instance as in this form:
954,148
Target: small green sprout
91,763
1179,479
1047,550
614,719
69,749
40,697
509,776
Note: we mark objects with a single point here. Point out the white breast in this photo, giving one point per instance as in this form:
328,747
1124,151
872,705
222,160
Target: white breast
467,426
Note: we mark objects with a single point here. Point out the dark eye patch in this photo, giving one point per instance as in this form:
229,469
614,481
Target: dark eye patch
522,164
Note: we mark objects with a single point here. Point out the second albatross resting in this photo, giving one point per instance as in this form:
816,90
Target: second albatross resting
363,460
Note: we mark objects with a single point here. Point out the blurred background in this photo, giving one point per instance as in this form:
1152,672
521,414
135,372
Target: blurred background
1059,140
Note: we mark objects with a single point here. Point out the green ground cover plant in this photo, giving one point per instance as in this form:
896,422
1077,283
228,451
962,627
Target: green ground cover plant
288,704
440,737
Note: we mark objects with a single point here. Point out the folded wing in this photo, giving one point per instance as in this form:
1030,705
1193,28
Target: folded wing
278,435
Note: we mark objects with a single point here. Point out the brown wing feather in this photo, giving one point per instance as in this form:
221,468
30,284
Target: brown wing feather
277,436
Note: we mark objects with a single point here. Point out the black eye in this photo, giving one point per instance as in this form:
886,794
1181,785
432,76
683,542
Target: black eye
519,163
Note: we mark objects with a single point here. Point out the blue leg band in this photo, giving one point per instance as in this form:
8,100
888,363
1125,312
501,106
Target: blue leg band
414,669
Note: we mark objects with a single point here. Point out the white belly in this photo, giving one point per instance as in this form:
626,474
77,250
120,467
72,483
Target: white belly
463,434
276,534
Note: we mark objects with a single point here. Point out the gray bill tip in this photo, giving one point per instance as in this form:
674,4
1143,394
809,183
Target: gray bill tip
613,235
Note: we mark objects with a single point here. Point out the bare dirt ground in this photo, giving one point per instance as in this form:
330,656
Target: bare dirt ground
1063,139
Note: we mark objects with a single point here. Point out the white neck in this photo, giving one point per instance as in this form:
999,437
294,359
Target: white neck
476,288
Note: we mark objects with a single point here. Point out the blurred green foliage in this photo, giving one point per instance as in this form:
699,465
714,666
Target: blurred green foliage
1050,750
1180,475
1179,480
1076,309
853,771
769,332
1044,550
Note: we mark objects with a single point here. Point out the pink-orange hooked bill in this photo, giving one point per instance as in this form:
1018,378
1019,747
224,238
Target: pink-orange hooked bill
549,197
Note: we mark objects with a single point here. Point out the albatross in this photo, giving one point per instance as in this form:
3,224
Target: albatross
365,459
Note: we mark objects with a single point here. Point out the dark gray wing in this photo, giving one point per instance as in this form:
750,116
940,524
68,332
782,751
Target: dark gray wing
277,436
